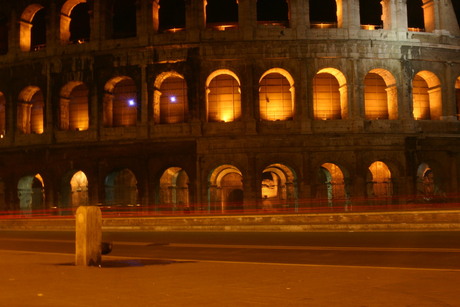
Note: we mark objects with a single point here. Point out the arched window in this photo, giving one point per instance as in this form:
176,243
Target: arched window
174,194
332,181
330,95
276,95
415,16
273,12
74,190
379,180
380,95
31,193
121,188
226,189
426,96
457,96
223,96
370,13
279,187
120,102
75,22
323,14
172,15
428,187
170,99
124,22
73,107
3,35
33,28
30,111
2,115
222,14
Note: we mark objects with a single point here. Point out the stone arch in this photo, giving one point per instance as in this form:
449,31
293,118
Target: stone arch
120,102
171,15
170,98
121,188
74,190
32,28
380,95
223,96
124,19
31,193
330,94
426,96
75,14
276,95
31,111
73,107
273,12
225,189
279,187
332,188
428,184
174,190
379,183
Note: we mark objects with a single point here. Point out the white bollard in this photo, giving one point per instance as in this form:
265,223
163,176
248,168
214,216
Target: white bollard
88,236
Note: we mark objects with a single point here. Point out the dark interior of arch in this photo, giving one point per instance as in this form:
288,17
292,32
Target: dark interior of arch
370,12
172,14
124,18
38,31
3,35
323,11
221,11
272,10
415,14
80,23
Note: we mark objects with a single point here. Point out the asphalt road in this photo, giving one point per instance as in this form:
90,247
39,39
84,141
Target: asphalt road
426,250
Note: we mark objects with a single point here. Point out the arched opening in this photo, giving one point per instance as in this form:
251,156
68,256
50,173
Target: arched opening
415,16
172,15
30,111
457,96
32,28
330,95
31,193
3,204
74,190
323,14
428,184
221,14
174,193
379,183
170,99
2,115
73,107
124,22
276,95
426,96
370,14
225,189
273,12
120,102
332,185
75,22
121,188
223,95
3,35
380,95
279,187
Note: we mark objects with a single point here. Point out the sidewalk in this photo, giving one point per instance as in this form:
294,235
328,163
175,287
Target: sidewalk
41,279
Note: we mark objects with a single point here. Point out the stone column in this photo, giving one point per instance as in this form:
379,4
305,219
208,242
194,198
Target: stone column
88,236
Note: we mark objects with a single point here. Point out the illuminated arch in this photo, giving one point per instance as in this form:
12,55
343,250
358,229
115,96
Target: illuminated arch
74,190
30,111
120,102
31,193
279,186
276,95
332,184
330,94
225,189
31,34
426,96
223,96
174,193
73,107
170,101
121,188
379,180
66,22
380,95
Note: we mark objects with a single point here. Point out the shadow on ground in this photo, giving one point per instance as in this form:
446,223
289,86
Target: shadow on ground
125,263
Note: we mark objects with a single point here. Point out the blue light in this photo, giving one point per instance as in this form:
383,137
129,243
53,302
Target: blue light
172,98
131,103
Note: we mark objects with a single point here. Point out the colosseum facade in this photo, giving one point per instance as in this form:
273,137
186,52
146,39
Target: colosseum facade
213,105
